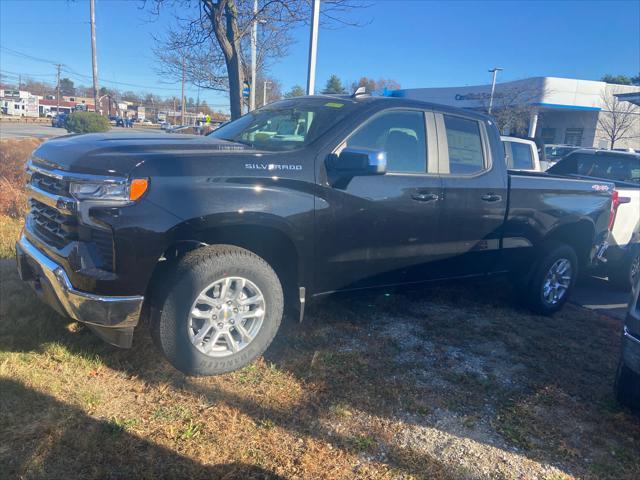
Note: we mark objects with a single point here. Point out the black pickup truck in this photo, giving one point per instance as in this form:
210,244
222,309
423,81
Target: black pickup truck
211,237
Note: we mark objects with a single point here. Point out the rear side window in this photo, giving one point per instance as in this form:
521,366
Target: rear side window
465,145
621,168
401,134
522,156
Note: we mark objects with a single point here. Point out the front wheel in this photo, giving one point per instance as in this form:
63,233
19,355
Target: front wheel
223,308
552,279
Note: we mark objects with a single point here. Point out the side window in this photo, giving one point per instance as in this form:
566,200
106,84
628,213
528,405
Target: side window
465,145
401,134
522,156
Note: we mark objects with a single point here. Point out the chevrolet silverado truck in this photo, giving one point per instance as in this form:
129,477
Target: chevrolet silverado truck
210,238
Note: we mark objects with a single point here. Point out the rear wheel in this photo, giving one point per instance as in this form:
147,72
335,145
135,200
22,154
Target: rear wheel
222,310
552,279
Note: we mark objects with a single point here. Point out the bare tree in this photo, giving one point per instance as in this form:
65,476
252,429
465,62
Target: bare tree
210,42
617,118
513,106
375,85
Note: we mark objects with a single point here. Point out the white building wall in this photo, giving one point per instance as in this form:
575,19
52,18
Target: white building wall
563,103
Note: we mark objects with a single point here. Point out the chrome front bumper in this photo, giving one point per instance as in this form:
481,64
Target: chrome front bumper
110,317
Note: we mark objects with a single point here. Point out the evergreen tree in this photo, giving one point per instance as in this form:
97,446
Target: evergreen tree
334,85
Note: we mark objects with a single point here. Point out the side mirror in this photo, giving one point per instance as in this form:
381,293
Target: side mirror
353,162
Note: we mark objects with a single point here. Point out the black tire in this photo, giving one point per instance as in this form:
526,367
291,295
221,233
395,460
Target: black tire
627,386
621,273
194,272
532,290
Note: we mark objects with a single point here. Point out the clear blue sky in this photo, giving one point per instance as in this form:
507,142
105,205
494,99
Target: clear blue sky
417,43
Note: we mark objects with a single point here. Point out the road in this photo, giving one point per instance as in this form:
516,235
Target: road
22,130
598,294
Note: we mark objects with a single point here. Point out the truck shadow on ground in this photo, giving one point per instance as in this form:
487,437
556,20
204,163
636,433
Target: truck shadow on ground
446,382
61,445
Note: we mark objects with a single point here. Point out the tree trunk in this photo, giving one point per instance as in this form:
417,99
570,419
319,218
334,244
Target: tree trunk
224,20
236,84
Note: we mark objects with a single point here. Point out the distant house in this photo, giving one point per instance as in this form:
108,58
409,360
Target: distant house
49,106
19,103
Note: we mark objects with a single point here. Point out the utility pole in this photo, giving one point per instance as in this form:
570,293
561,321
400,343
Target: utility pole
94,57
313,48
182,98
19,82
264,92
495,71
59,66
254,40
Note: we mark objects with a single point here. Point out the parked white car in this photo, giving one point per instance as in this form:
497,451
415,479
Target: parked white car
521,154
623,169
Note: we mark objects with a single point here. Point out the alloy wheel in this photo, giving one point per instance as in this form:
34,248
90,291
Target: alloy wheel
226,316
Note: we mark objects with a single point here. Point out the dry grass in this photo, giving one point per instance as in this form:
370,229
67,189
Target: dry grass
9,231
13,156
450,382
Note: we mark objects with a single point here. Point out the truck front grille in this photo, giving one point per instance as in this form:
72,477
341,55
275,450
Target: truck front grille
50,184
52,226
53,219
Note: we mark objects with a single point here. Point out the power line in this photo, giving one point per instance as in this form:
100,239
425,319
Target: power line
11,51
27,75
84,78
81,75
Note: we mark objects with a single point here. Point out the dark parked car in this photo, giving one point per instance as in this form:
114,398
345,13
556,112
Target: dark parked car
554,153
623,170
628,375
59,120
213,236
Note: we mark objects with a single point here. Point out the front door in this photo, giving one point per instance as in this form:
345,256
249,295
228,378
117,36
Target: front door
379,230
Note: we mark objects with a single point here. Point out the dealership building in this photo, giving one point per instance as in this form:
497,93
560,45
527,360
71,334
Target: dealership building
559,110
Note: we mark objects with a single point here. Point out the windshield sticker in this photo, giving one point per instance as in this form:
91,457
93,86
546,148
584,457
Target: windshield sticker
334,105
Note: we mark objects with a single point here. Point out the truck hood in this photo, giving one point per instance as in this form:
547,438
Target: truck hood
118,154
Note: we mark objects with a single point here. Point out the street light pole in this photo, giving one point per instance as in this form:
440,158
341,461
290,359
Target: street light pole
94,56
254,40
495,71
264,92
313,47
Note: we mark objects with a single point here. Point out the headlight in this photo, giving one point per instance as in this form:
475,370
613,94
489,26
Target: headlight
124,192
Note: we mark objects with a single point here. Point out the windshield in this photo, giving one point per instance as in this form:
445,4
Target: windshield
286,125
555,153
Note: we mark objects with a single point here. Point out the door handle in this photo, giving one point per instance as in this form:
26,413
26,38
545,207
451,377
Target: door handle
425,197
491,197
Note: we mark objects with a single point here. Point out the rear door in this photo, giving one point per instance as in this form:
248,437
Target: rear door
379,230
474,200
